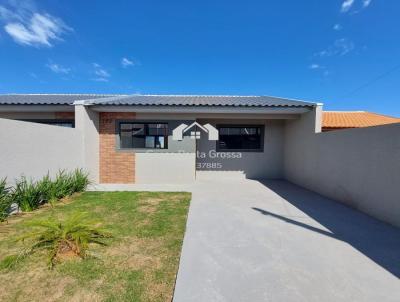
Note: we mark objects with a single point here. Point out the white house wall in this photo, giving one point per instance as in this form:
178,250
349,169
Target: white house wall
33,149
164,168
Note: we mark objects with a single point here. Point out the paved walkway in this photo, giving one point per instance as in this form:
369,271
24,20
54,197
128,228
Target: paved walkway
248,241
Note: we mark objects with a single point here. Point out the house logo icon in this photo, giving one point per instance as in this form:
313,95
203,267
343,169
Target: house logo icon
178,132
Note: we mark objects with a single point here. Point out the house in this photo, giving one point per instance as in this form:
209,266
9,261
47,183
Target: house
335,120
166,138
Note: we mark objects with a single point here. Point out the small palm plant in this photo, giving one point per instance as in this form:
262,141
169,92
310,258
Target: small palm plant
64,239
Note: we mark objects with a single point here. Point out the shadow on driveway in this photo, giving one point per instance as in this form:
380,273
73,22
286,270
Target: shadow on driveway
375,239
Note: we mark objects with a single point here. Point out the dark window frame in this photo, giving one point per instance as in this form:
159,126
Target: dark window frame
122,122
262,132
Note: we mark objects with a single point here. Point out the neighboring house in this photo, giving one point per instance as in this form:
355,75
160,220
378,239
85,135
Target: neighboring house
334,120
131,139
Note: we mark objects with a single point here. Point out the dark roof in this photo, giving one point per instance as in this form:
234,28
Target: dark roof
47,99
151,100
198,100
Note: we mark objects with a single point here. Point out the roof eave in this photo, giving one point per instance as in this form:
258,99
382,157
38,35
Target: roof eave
202,109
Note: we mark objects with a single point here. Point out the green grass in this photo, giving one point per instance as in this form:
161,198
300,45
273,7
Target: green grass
139,263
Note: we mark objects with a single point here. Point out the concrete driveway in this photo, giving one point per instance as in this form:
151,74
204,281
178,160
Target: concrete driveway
273,241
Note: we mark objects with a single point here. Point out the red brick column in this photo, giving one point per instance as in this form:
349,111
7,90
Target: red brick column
115,166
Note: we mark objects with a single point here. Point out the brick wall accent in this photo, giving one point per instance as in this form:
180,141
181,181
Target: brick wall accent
115,167
65,115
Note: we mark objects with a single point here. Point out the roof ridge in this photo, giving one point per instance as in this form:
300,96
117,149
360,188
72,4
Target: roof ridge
362,111
225,95
385,115
72,94
196,95
344,111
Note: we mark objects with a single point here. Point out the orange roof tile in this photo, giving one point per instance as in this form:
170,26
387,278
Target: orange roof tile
354,119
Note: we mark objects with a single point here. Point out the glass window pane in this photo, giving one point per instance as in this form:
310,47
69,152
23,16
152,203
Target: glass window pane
126,127
240,138
138,142
142,135
157,129
138,129
160,143
150,142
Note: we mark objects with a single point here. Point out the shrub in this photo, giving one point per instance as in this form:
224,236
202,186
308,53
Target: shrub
5,200
63,239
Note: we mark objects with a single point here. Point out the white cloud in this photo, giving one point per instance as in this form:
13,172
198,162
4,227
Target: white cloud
337,27
58,68
340,47
343,46
320,69
28,27
100,80
101,74
125,62
346,5
366,3
314,66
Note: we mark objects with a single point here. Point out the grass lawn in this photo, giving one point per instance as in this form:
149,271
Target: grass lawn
139,264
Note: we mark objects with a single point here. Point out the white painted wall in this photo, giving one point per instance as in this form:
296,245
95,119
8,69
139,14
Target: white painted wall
34,149
87,122
164,168
359,167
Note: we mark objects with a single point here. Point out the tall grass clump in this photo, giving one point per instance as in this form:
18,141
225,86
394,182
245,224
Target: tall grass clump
26,194
66,184
45,187
5,200
29,194
63,185
80,180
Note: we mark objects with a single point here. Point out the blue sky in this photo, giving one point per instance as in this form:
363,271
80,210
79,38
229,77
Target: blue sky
344,53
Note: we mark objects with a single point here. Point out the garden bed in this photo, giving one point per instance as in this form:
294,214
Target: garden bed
139,262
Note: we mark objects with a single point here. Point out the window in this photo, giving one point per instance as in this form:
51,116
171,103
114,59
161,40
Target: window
143,135
240,138
61,123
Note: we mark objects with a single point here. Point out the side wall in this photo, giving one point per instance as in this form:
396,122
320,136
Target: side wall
359,167
35,149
